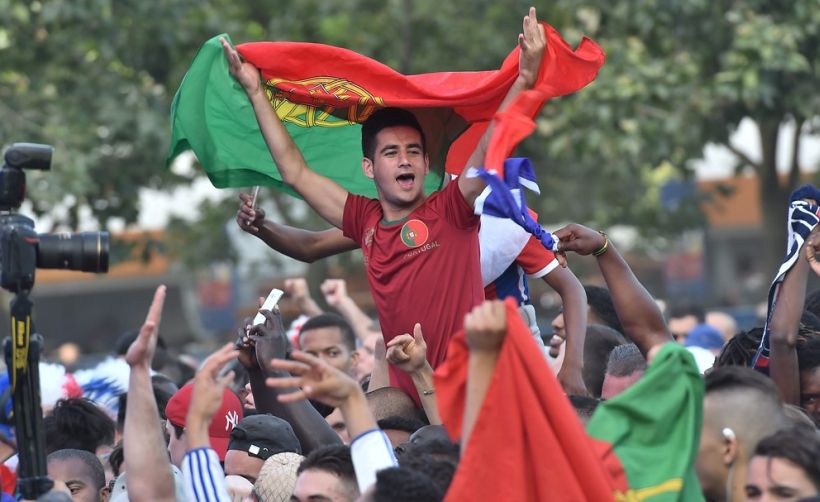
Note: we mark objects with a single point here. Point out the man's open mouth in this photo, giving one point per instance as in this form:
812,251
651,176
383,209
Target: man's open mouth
406,180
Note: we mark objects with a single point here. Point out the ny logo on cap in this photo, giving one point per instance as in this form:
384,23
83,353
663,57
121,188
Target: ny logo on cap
231,419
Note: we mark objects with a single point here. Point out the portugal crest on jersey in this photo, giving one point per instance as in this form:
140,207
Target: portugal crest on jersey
414,233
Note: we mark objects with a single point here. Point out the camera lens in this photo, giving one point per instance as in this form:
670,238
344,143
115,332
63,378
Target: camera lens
85,251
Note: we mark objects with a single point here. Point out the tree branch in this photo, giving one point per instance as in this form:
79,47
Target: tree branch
743,157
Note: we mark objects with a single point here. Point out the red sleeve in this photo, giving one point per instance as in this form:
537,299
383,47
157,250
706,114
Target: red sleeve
536,260
451,203
355,212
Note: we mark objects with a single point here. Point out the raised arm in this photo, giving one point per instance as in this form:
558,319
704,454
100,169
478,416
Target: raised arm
262,344
785,322
335,292
485,328
639,314
574,301
325,196
146,458
533,43
409,354
303,245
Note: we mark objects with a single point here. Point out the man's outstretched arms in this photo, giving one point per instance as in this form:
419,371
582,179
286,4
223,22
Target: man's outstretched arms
323,194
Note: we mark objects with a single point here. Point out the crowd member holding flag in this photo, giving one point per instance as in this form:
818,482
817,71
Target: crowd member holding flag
412,243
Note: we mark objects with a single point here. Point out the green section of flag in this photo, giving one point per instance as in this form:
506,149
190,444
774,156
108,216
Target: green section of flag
654,428
212,115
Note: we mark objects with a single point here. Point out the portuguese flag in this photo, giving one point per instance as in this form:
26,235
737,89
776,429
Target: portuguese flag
528,444
323,93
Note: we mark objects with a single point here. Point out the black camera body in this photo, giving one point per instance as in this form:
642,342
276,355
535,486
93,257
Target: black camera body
22,250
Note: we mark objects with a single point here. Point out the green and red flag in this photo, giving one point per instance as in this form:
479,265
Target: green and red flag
528,444
323,93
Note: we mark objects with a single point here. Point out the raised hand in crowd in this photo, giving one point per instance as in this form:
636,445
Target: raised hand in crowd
297,289
308,377
485,328
145,455
206,398
335,293
257,346
640,316
409,354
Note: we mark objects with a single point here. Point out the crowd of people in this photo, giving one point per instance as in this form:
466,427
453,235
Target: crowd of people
452,392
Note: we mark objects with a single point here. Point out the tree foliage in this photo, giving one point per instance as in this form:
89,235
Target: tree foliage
95,78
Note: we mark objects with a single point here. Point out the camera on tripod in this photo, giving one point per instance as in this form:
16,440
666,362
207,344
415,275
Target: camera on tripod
22,250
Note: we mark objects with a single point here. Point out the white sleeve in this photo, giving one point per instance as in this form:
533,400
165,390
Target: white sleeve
371,452
204,479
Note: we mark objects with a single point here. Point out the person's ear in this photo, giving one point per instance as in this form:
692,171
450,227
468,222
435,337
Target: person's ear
367,167
730,446
427,164
105,494
354,357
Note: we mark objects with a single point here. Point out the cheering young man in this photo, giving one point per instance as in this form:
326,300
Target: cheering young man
421,253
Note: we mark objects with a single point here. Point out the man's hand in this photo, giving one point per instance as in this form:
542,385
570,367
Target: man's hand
248,218
315,379
335,291
578,238
269,338
533,43
245,73
141,352
209,386
408,353
812,246
486,326
572,381
297,288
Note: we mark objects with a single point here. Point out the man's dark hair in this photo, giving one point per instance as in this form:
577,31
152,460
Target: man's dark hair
334,459
159,383
809,321
600,341
688,310
397,423
733,378
436,458
93,467
399,484
808,354
798,445
624,360
331,321
813,302
584,406
740,349
600,302
79,424
382,119
116,459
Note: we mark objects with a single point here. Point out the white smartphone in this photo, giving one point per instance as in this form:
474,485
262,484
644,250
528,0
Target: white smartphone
270,302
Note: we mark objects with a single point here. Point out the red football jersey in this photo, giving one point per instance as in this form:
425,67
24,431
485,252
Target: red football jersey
424,268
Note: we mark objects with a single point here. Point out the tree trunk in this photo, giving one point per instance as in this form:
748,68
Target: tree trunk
774,198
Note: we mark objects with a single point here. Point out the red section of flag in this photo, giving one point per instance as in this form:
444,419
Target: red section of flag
527,443
322,75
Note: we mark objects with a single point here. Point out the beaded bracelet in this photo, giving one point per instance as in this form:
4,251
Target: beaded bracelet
601,250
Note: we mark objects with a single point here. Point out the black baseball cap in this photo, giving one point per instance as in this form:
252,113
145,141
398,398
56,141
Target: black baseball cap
262,436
